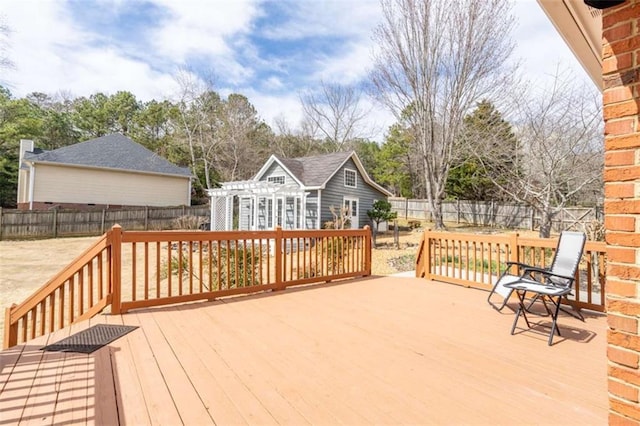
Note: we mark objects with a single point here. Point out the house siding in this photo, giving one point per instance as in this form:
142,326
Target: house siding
61,184
276,170
335,191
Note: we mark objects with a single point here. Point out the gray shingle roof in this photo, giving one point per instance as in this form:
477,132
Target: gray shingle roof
316,170
113,151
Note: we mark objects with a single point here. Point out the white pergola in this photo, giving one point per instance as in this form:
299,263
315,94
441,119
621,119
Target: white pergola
264,202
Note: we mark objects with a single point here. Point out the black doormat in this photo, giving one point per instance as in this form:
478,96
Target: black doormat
91,339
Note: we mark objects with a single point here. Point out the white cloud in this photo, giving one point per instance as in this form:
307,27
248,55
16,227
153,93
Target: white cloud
54,53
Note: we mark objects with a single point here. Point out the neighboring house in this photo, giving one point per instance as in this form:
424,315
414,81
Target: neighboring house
298,193
110,171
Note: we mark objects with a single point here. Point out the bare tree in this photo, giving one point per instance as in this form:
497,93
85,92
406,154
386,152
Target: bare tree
435,59
198,108
337,113
559,132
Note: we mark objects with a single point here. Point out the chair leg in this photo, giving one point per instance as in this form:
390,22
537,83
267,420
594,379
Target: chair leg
521,310
554,326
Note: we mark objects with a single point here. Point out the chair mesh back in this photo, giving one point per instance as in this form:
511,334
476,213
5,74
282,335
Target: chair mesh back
567,257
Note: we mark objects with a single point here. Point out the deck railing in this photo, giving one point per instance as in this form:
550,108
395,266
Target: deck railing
134,269
477,260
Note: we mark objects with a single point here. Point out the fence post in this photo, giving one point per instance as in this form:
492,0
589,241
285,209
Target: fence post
367,250
0,223
102,222
116,269
458,211
146,218
406,208
278,255
531,219
55,222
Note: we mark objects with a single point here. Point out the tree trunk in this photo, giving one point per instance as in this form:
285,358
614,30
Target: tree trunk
546,221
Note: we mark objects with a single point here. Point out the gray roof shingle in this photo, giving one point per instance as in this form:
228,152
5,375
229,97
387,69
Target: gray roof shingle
316,170
113,151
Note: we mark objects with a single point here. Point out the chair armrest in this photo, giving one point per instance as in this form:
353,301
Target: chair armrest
547,273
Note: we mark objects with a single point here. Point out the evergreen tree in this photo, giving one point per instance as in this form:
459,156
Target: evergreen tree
470,177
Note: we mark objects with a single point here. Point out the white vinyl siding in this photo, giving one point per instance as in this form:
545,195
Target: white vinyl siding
61,184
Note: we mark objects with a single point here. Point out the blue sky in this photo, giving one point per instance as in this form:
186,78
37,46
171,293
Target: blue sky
270,51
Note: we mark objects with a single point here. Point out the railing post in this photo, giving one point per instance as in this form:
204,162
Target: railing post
427,254
116,269
10,330
514,250
367,251
278,248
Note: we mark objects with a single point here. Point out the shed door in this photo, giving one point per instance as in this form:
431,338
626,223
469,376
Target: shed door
352,211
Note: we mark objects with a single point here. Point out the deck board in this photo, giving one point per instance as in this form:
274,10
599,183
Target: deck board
379,350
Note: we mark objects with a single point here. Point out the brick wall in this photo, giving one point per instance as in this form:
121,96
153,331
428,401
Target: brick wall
621,97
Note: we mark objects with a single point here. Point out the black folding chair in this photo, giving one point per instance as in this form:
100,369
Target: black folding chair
552,284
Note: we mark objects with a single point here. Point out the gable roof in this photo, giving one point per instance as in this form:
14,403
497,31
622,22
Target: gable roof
314,172
113,151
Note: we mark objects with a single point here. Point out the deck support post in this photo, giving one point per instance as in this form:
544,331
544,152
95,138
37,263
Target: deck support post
116,269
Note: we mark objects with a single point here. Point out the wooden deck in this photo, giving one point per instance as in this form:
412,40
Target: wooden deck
379,350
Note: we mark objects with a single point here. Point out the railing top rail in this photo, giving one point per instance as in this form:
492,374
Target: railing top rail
487,238
160,236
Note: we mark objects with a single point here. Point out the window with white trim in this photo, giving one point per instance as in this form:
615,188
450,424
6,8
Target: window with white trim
350,178
276,179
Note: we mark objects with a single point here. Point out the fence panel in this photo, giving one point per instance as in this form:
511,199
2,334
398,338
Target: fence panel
16,224
488,213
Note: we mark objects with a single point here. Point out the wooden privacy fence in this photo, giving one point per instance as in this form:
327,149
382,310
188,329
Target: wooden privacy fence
16,224
489,213
477,260
133,269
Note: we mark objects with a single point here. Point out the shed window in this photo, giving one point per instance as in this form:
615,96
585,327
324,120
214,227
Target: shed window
276,179
350,178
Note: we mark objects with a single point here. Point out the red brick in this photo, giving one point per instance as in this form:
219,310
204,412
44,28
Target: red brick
619,127
618,62
618,32
626,272
620,356
625,12
626,239
619,190
620,223
620,158
621,323
627,409
630,393
620,254
617,94
622,142
622,206
619,110
623,46
621,288
618,174
625,307
616,419
623,373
